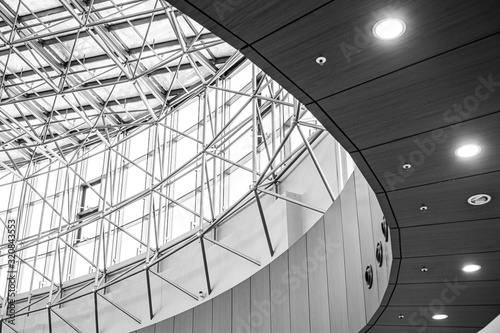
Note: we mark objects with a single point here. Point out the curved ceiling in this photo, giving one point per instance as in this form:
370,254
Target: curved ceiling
413,100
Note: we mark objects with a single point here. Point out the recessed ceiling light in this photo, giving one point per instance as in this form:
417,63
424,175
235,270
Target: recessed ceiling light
468,151
479,199
439,316
389,28
471,268
320,60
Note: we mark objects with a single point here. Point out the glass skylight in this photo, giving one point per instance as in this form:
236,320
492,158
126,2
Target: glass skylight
131,132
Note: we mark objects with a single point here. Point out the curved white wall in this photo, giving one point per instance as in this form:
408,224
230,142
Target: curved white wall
316,286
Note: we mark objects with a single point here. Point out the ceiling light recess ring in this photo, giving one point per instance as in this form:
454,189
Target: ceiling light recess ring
439,316
467,151
479,199
389,28
471,268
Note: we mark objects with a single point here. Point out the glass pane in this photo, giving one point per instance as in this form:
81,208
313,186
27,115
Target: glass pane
92,197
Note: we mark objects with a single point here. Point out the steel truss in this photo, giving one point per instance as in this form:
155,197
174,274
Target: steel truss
186,116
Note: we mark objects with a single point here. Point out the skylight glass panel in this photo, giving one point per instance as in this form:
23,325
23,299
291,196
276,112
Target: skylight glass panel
133,131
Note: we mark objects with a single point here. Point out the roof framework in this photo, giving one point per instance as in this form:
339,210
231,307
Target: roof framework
72,71
112,107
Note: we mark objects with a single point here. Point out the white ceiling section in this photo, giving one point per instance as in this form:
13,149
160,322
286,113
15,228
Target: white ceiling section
67,66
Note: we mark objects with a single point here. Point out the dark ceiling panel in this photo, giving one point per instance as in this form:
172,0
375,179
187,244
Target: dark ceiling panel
432,155
403,103
270,70
395,244
447,239
209,23
449,292
252,20
396,265
369,176
450,267
476,316
341,31
446,201
332,128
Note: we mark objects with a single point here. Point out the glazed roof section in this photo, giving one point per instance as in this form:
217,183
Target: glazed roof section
75,73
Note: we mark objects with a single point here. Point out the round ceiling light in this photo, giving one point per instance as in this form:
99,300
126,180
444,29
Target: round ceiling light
439,316
320,60
471,268
468,151
389,28
479,199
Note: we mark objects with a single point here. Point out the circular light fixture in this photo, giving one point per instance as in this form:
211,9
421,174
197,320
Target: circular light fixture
389,28
468,151
320,60
439,316
471,268
479,199
407,166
